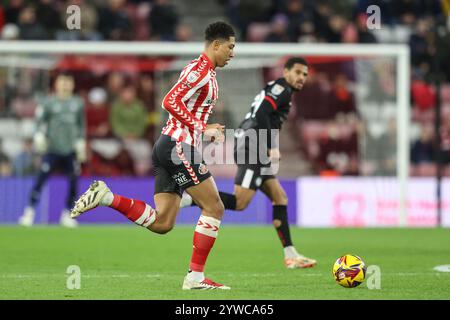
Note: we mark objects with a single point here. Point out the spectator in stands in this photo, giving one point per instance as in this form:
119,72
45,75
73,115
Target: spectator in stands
10,32
405,11
163,20
5,164
364,35
2,17
30,28
341,99
314,99
147,95
128,116
114,23
278,29
423,95
146,91
89,23
336,26
27,161
48,15
24,104
97,114
119,165
12,11
422,150
114,85
183,33
321,16
244,12
295,15
419,44
445,141
306,33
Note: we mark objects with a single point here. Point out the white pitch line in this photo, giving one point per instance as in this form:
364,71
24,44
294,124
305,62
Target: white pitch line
158,275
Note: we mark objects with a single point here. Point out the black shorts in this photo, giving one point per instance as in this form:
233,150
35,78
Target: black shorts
177,166
252,172
252,176
67,164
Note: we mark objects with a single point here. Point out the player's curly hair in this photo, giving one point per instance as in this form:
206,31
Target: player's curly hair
218,31
291,61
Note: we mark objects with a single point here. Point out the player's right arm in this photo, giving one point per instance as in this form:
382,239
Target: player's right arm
269,103
186,86
41,118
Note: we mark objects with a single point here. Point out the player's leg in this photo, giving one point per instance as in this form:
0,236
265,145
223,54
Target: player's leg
192,175
48,162
243,197
72,170
167,197
228,200
244,190
275,192
205,194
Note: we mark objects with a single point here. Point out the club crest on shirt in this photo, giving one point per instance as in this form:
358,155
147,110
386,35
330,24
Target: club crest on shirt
193,76
202,169
277,89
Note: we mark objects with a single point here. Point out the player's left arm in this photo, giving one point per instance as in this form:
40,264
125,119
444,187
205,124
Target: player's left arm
40,135
278,97
80,143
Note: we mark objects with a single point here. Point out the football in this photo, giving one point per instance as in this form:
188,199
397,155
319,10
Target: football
349,271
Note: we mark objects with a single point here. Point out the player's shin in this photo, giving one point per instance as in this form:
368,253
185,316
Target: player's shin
281,224
228,199
135,210
205,235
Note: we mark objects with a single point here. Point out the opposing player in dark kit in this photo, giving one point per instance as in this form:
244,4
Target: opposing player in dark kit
267,113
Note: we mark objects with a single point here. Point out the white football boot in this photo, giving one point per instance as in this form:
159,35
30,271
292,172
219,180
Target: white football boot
299,262
27,218
90,199
206,284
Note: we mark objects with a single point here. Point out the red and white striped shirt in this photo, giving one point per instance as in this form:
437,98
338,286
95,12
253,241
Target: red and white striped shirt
190,101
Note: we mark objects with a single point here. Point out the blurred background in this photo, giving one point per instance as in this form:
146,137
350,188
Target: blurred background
342,125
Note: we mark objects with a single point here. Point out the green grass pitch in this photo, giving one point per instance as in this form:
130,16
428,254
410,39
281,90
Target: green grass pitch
129,262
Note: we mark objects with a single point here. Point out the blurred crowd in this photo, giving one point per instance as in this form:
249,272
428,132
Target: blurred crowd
100,20
334,136
120,125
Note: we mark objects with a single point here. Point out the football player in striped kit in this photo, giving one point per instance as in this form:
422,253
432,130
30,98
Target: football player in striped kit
60,138
177,163
268,112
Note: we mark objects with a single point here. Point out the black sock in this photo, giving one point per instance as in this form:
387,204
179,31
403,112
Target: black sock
280,213
229,201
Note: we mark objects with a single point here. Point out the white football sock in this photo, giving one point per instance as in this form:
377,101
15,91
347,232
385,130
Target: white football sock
186,200
107,199
290,252
196,276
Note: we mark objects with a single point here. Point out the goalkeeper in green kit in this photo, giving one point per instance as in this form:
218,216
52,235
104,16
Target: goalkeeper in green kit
60,138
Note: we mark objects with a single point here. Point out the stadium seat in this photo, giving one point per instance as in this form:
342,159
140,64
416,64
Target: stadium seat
257,32
9,128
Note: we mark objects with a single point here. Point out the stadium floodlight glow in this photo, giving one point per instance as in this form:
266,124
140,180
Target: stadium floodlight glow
262,51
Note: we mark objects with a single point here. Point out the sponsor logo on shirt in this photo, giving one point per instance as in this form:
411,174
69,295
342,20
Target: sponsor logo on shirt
277,89
193,76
